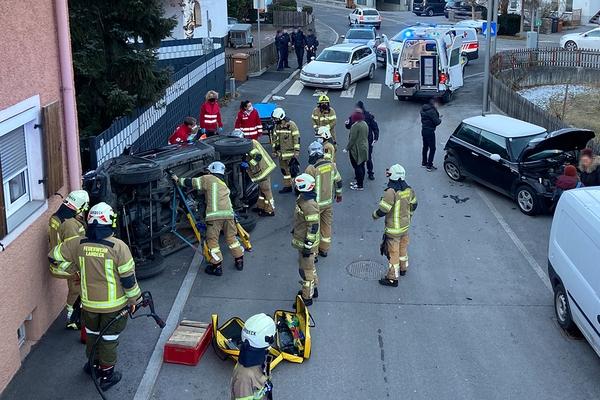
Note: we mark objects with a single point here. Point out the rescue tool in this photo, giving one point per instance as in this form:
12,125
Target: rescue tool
147,301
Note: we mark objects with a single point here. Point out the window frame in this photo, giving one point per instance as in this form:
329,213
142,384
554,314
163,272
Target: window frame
506,155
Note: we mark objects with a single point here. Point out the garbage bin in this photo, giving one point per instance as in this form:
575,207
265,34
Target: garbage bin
554,25
240,66
560,25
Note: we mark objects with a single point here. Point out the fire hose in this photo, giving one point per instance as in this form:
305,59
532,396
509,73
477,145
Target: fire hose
147,301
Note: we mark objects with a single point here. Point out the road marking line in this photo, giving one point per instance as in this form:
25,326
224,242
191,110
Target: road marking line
374,91
320,92
534,264
348,94
280,86
146,386
295,89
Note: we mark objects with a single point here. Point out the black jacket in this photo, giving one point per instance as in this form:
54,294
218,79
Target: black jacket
298,40
430,117
281,42
371,123
311,41
590,176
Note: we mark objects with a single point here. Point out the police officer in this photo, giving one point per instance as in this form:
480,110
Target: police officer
311,44
65,224
260,166
286,48
323,136
324,115
326,178
251,378
108,285
280,45
298,43
219,216
397,206
286,145
306,235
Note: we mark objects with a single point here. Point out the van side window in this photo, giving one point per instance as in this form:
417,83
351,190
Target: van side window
468,133
493,144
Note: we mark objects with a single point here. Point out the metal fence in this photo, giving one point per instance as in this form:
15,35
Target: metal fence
151,127
510,68
268,54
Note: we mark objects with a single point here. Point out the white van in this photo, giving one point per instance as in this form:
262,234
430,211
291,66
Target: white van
429,64
574,262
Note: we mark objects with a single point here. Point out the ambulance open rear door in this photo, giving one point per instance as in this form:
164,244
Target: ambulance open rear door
455,71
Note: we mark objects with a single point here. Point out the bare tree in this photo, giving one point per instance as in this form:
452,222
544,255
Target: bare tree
473,4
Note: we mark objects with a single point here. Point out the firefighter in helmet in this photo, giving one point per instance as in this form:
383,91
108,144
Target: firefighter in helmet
397,206
324,115
323,136
108,285
306,235
219,216
286,145
327,179
66,224
251,378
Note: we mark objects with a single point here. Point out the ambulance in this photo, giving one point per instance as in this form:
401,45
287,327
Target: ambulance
430,64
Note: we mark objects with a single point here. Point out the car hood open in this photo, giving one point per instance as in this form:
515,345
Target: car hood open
563,139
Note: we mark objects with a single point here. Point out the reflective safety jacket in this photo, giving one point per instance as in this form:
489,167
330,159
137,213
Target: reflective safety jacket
106,268
286,139
210,116
306,222
325,118
248,383
326,178
329,151
62,230
218,202
397,205
249,123
260,163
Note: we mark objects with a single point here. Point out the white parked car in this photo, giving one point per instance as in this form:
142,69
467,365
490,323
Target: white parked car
340,65
586,40
366,16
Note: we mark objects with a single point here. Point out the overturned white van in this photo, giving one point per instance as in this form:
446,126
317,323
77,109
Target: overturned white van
574,262
429,64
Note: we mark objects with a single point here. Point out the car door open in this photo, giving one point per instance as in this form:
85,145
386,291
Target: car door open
454,67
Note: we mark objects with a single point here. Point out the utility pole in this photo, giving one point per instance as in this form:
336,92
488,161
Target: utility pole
259,46
495,20
486,66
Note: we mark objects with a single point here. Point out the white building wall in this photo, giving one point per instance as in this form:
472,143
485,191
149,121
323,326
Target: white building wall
213,10
588,8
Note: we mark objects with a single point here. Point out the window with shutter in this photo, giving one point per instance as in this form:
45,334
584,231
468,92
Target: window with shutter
52,136
3,225
13,157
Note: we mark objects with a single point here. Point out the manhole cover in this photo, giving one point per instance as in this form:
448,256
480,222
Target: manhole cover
572,334
367,270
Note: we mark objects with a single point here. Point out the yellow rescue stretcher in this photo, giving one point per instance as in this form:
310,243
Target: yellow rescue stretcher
292,337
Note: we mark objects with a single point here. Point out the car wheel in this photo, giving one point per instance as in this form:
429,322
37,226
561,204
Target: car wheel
151,265
247,221
134,170
452,170
401,98
372,71
418,14
233,146
251,193
378,26
346,83
527,200
447,97
562,309
571,45
430,13
349,21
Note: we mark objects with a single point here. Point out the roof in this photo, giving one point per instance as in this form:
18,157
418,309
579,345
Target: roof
504,126
345,46
589,197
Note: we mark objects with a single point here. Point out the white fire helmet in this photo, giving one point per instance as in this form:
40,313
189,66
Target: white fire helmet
315,149
396,172
238,133
305,182
259,331
217,167
78,200
102,214
324,132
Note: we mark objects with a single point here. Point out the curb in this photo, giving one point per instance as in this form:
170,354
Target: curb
280,86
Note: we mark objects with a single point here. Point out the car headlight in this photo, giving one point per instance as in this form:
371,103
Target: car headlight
336,76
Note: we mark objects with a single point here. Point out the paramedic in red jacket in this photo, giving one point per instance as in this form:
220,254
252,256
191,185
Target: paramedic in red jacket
210,115
183,131
248,121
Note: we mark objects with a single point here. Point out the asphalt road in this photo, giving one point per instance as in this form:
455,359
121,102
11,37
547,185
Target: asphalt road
472,319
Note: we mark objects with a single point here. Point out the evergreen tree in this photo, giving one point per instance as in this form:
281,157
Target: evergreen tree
114,44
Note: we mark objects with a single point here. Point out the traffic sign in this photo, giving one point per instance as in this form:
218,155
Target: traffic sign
538,22
484,29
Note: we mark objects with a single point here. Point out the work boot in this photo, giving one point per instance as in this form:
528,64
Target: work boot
239,263
286,189
388,282
263,213
322,253
371,176
402,273
86,369
315,293
256,209
307,302
215,270
109,378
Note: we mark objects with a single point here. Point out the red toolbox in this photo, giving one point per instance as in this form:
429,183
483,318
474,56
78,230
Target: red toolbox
188,343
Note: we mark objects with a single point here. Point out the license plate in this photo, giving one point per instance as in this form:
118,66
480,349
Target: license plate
315,80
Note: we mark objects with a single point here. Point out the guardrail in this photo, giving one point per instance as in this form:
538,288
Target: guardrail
544,57
268,54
